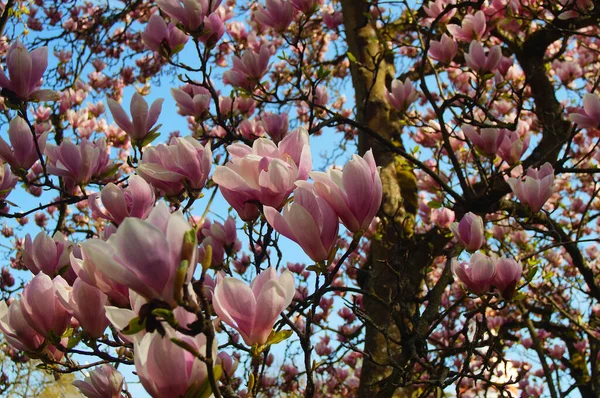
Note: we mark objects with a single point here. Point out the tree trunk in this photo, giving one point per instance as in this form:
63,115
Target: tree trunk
388,275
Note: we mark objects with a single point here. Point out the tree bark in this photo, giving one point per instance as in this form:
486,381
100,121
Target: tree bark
395,272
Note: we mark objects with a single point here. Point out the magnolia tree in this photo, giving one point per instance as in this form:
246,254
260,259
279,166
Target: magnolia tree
454,255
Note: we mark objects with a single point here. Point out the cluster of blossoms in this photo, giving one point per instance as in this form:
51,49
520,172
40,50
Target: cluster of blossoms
138,263
266,174
148,254
483,272
493,142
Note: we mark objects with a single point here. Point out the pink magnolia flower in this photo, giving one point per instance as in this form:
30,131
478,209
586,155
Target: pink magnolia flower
7,180
163,39
354,193
278,14
536,188
63,56
240,105
78,164
332,18
182,161
443,50
86,303
209,284
23,153
469,231
120,318
508,274
573,8
143,119
192,100
512,147
478,274
504,66
87,271
434,8
49,255
557,352
443,217
488,140
226,233
25,71
306,7
248,69
473,27
477,60
567,71
102,382
237,30
167,370
137,200
212,30
41,308
309,221
15,328
320,96
251,129
189,13
402,94
275,125
265,173
589,115
222,238
144,255
253,310
229,363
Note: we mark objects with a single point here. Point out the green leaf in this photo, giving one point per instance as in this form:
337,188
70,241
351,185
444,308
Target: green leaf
73,341
207,260
53,337
205,390
180,275
189,245
63,270
68,333
176,49
322,73
518,296
135,326
165,314
351,57
278,337
111,171
195,391
487,76
434,204
152,135
531,273
256,350
318,268
251,382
